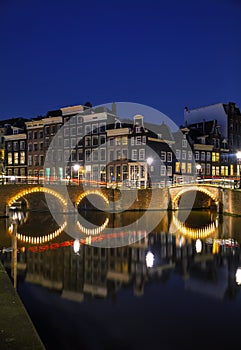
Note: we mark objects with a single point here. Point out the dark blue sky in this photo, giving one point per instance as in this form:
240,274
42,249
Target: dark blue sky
164,54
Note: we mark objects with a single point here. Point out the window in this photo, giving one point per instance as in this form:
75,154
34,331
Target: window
22,145
178,154
163,170
197,155
15,157
73,120
47,130
169,170
35,147
189,168
177,167
184,143
142,154
73,131
215,157
132,141
169,156
73,156
117,141
30,160
208,156
30,135
111,155
41,160
35,135
66,132
124,140
143,140
134,154
87,129
35,160
124,172
102,139
73,143
30,147
102,154
208,169
10,158
138,140
124,154
41,134
118,154
9,146
79,120
66,143
203,156
87,141
80,154
95,140
112,141
184,154
87,155
183,167
102,127
94,128
79,130
47,142
22,157
163,156
95,155
15,146
189,155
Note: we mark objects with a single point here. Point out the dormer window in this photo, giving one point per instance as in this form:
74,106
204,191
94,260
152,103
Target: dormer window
138,120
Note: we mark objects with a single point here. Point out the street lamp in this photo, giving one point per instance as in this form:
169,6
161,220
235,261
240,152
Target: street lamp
238,155
199,170
76,168
15,219
149,163
150,259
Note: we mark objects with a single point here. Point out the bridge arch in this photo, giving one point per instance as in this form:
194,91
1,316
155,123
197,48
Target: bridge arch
91,192
213,195
27,191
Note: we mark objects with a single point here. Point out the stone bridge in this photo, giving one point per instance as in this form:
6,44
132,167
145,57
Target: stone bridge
226,200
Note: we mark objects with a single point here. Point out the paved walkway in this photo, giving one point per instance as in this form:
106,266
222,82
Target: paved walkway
16,329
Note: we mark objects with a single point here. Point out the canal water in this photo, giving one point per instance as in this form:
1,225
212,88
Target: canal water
174,288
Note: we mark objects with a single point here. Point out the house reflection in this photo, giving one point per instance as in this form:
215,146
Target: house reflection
102,272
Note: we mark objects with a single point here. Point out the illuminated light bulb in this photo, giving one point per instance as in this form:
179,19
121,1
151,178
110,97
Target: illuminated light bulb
198,246
76,246
150,259
238,276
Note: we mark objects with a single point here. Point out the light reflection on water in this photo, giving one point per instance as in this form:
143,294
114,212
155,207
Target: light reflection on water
114,295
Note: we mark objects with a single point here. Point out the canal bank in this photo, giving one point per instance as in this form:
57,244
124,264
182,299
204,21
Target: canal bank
16,329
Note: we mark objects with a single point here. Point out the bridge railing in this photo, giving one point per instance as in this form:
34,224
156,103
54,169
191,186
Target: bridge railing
127,184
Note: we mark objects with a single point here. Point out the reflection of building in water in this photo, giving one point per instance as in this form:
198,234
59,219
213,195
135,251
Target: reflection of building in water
101,272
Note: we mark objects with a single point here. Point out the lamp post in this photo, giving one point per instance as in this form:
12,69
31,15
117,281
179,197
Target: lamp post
149,163
238,154
15,219
76,168
199,170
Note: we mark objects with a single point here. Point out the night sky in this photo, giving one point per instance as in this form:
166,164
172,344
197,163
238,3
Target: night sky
164,54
